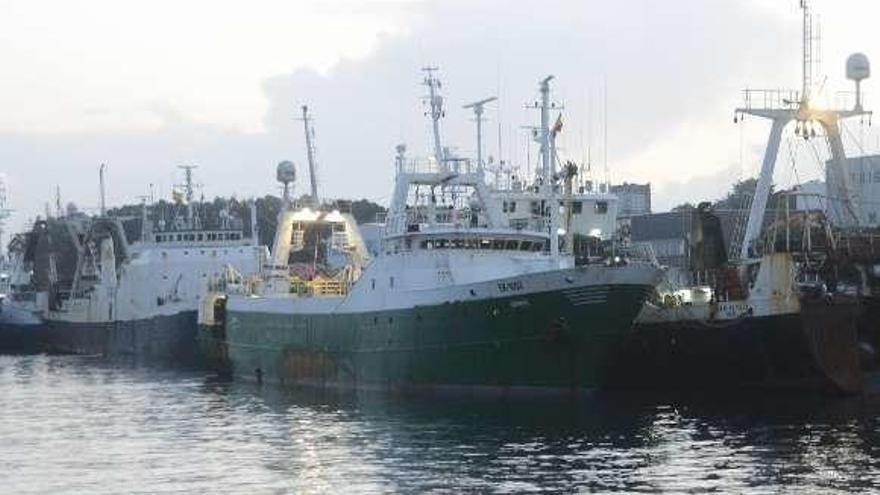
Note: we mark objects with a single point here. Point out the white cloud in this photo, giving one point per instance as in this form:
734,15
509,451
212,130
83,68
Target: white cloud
106,64
148,86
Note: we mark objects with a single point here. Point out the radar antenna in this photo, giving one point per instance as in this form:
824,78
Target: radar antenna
477,106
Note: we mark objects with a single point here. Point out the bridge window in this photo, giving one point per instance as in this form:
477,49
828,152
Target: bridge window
525,245
511,245
577,207
601,207
535,208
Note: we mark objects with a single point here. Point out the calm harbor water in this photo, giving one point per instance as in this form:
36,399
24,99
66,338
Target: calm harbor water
80,425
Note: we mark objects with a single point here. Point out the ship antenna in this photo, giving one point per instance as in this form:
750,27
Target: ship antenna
807,61
605,133
145,226
58,211
5,211
477,106
188,188
101,170
435,100
310,152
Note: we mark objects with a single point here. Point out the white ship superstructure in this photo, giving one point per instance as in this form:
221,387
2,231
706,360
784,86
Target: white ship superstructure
593,211
583,206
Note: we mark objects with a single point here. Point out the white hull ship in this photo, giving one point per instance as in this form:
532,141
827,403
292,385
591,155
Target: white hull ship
140,299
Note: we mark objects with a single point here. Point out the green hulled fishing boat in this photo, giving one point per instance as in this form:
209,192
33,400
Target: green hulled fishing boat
454,301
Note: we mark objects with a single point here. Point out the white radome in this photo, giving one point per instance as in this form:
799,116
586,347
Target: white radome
858,67
286,172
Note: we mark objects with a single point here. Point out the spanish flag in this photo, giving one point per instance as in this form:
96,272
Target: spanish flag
557,127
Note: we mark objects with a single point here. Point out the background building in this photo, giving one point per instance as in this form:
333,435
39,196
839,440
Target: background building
633,199
864,179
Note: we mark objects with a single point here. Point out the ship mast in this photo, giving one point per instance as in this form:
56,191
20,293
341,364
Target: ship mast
310,153
101,170
783,107
145,226
807,57
5,211
189,191
547,166
436,103
477,106
58,210
436,177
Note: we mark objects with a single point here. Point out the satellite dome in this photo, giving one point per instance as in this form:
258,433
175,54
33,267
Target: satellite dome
286,172
858,67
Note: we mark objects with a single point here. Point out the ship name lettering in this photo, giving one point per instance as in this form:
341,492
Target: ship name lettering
733,309
514,286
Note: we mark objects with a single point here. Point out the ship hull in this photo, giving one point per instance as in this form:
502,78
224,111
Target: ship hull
869,333
170,338
21,338
814,350
556,341
20,331
211,341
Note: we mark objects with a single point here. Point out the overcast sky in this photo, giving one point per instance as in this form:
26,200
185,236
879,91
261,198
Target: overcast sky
148,86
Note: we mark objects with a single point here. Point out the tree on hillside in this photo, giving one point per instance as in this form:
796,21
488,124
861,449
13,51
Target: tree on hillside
239,216
366,211
683,207
739,196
